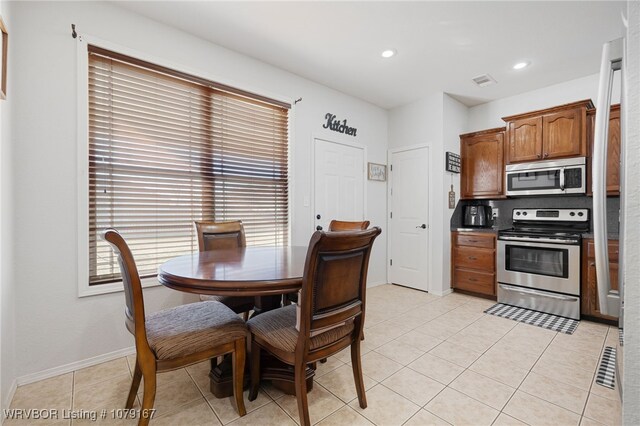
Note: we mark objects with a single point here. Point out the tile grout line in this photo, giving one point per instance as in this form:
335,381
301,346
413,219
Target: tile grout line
525,378
204,396
447,386
483,353
73,390
595,374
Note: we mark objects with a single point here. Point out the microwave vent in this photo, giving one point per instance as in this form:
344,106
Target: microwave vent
484,80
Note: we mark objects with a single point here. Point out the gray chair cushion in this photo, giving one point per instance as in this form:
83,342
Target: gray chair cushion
278,327
192,328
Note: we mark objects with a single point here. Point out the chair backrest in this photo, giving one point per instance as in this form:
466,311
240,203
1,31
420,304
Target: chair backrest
220,235
334,282
134,309
340,225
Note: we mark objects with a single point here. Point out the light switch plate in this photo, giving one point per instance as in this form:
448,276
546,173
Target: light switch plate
495,213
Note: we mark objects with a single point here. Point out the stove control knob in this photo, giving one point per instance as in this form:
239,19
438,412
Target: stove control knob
580,214
524,213
572,214
517,213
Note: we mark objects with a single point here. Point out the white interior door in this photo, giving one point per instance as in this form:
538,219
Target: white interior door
408,213
339,182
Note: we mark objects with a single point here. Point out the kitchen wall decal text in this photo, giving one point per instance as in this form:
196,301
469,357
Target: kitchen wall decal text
341,127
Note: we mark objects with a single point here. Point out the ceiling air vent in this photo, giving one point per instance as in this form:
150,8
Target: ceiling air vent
484,80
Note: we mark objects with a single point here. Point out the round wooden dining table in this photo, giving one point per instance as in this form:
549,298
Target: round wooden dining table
242,271
263,272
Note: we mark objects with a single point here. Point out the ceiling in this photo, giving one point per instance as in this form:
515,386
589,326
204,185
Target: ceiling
441,45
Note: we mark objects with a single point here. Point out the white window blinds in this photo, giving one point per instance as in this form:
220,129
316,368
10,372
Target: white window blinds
165,149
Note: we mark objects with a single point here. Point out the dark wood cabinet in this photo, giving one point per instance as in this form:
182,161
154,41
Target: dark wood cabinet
482,157
613,150
473,262
524,140
590,306
557,132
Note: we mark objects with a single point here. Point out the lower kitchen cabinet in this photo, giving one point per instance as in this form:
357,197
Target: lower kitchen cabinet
473,262
590,305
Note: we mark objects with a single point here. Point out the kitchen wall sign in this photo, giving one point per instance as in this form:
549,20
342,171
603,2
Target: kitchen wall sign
341,127
453,162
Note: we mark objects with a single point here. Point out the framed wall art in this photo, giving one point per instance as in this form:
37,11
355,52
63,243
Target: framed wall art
377,172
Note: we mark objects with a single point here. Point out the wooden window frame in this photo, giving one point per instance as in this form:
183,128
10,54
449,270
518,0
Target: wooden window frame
84,289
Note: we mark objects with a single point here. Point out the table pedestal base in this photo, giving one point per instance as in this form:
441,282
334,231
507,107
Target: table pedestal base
280,374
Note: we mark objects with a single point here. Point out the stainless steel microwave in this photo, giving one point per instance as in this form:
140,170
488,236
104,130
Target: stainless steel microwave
549,177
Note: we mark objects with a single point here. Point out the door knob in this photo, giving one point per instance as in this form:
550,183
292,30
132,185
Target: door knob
318,228
423,226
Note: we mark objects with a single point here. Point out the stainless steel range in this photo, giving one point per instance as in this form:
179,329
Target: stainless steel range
539,260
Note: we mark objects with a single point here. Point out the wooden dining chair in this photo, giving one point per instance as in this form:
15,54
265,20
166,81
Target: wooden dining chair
328,318
340,225
334,225
176,337
224,235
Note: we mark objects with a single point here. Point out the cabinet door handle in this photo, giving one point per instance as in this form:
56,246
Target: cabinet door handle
538,155
472,258
473,279
592,263
546,154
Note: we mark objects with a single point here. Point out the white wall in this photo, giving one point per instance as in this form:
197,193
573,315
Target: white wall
436,120
631,408
455,123
489,115
54,326
7,283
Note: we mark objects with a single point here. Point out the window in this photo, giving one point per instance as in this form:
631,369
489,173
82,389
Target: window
165,149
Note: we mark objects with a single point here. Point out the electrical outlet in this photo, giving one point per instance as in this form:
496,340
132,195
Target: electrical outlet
495,213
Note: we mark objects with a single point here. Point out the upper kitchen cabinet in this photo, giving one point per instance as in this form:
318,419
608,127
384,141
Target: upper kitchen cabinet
482,156
613,150
524,140
557,132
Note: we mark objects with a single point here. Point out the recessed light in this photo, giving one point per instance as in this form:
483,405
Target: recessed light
388,53
521,65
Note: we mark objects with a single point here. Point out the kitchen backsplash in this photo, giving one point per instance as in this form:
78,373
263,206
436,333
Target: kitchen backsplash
506,206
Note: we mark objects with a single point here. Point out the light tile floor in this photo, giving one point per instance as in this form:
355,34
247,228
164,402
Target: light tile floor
427,360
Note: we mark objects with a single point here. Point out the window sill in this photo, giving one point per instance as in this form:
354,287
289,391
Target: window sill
95,290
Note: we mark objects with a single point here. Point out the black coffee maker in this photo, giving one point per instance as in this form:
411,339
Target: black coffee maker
477,216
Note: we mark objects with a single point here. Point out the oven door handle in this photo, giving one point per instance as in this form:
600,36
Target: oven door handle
539,240
528,292
562,178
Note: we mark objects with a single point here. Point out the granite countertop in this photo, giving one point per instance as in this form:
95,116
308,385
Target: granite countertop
469,229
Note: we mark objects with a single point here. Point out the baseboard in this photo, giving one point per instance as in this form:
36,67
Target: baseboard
7,401
376,284
442,293
67,368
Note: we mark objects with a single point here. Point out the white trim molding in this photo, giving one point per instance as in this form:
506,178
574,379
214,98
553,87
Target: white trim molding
77,365
7,400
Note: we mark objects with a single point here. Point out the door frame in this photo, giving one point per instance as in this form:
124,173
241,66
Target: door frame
350,144
390,153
